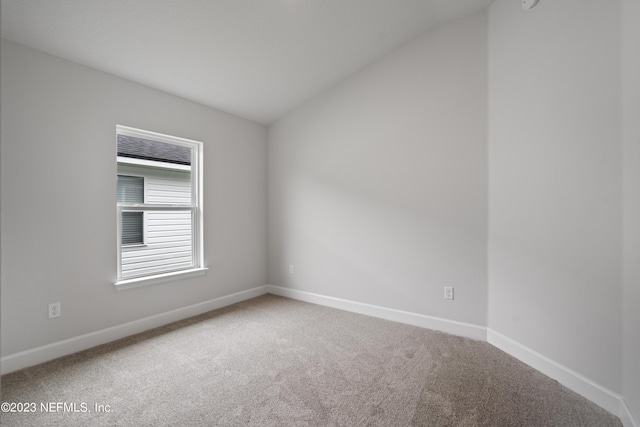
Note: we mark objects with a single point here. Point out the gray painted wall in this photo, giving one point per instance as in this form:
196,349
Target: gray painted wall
377,188
631,139
555,169
58,128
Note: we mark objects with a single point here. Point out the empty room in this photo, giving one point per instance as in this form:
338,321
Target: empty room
320,212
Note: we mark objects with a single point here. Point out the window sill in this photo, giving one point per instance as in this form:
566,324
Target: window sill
159,278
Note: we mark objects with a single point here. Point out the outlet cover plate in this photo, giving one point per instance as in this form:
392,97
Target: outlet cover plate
54,310
448,292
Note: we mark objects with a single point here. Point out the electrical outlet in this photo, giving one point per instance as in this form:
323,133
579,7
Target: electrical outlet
292,269
54,310
448,292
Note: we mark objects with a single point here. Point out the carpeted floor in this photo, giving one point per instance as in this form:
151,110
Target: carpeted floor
271,361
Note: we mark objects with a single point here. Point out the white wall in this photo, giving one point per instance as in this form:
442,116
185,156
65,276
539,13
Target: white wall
631,139
377,188
554,182
59,167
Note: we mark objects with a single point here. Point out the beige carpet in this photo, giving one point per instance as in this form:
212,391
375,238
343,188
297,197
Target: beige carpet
272,361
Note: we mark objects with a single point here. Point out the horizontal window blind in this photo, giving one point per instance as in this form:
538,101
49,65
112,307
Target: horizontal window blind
130,189
132,226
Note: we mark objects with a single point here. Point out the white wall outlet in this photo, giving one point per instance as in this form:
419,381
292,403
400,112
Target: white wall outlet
448,292
292,269
54,310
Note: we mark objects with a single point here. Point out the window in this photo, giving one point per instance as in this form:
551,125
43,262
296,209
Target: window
159,207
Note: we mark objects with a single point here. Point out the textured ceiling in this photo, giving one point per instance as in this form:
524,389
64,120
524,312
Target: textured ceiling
257,59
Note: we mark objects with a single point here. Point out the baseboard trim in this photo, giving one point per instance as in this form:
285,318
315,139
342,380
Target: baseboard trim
571,379
580,384
430,322
34,356
626,416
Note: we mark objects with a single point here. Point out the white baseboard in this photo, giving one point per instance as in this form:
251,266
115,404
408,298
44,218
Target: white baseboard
574,381
626,416
41,354
607,399
439,324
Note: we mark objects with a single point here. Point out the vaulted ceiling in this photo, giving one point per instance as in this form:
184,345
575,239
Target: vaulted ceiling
257,59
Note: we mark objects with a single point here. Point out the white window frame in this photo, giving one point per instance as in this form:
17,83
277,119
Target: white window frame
195,207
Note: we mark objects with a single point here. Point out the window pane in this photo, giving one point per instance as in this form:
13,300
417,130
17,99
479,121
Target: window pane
132,223
130,189
168,186
168,246
145,149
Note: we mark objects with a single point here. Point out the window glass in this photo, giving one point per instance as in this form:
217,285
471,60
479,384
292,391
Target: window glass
130,189
159,208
